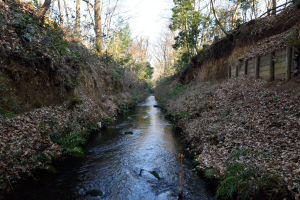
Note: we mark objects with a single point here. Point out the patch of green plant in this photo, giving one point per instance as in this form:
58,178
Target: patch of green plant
75,101
226,113
214,138
292,38
55,137
244,178
210,172
178,89
69,137
9,114
107,120
116,75
77,81
70,143
184,115
201,105
92,126
123,108
54,40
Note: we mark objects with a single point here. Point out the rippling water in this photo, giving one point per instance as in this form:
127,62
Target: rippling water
113,161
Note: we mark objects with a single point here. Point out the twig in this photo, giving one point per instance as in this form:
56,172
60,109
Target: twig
9,182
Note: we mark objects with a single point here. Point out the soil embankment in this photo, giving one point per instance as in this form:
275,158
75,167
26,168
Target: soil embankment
53,93
252,39
242,131
240,121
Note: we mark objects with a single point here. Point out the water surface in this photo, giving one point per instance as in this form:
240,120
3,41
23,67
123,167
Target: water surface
113,161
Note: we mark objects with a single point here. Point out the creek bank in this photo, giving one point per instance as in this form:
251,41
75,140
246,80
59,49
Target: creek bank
52,97
31,141
232,123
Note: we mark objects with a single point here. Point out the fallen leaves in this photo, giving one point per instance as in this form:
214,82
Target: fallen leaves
255,118
23,144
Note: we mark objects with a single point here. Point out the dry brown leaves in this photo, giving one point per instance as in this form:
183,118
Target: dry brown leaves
272,44
24,147
244,115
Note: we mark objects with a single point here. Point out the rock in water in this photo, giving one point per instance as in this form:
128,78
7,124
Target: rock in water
129,132
94,192
149,175
155,174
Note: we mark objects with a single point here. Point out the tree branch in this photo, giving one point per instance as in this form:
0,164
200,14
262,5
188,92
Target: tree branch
218,21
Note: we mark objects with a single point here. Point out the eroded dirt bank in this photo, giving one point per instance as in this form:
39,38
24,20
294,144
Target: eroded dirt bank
240,130
53,93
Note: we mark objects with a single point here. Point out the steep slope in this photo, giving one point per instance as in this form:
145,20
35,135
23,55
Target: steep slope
53,93
242,131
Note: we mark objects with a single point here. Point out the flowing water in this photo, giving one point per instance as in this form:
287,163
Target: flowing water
114,163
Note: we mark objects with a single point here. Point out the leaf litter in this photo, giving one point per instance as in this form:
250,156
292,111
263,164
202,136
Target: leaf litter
242,114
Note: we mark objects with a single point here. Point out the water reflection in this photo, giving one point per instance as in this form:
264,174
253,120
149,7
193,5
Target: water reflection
114,160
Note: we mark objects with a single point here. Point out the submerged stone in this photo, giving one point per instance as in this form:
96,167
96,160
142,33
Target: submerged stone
155,174
149,175
129,132
94,192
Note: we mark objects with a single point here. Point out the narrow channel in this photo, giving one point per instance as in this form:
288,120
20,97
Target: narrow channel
113,163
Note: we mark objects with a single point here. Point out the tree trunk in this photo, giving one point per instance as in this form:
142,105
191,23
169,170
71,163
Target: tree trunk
61,18
217,19
98,27
254,10
109,21
52,9
77,22
66,9
42,11
236,12
85,32
205,27
274,7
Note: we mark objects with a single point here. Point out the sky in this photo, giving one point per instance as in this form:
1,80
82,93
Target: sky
149,17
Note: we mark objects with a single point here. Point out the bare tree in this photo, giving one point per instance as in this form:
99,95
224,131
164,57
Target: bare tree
67,15
61,18
77,22
217,19
42,11
98,26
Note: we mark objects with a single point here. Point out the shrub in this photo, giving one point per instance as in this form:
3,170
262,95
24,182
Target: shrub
69,137
71,142
123,108
210,172
244,178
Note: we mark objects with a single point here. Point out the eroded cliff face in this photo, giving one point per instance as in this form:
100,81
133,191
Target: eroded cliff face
54,92
39,84
242,122
255,38
232,120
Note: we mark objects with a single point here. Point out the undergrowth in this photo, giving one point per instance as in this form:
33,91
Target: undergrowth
244,179
70,136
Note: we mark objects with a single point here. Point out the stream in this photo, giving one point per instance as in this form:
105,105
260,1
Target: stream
122,165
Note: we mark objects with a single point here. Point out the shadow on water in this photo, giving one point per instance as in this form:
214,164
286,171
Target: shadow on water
119,163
